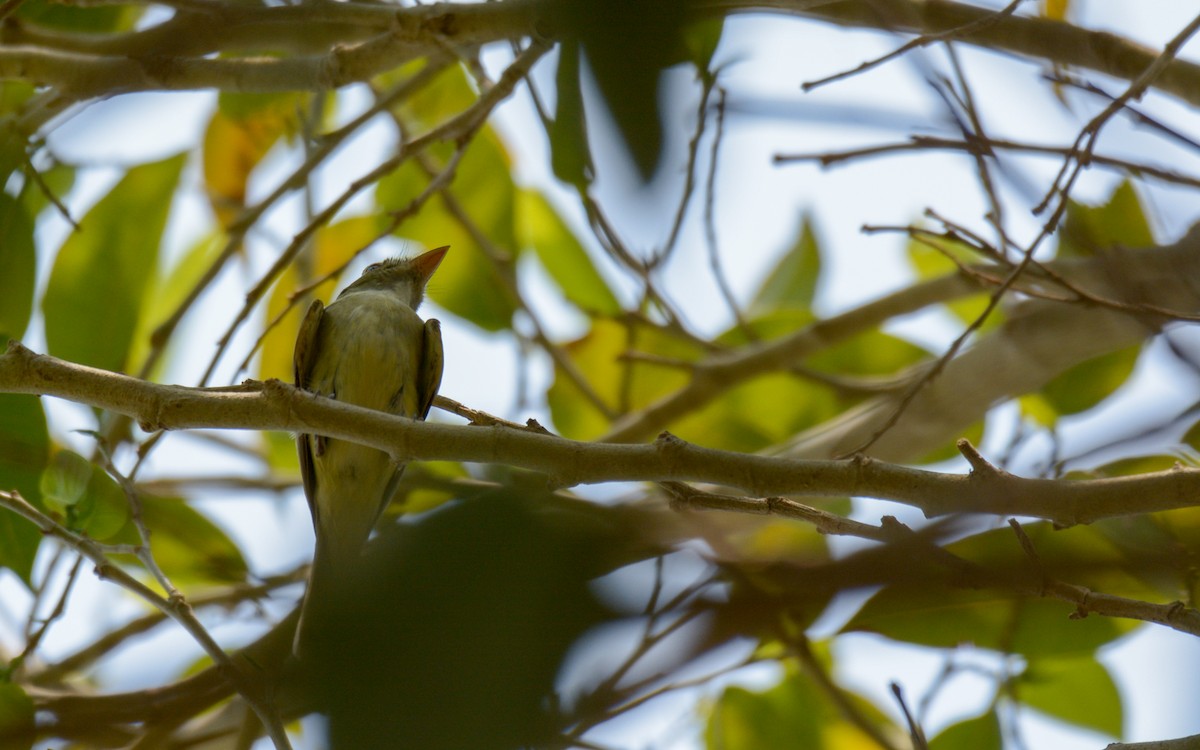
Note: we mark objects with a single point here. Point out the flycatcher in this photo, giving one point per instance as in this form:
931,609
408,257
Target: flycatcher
368,348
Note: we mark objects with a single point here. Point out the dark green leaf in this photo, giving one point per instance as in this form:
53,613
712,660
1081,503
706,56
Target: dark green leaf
627,43
570,156
24,452
16,718
96,18
17,265
700,39
539,226
101,274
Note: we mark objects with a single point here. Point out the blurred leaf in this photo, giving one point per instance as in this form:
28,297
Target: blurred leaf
570,157
1126,467
597,357
187,546
795,713
18,262
758,413
168,293
12,147
794,280
24,452
449,93
980,733
1077,690
58,180
104,508
1121,221
700,39
447,612
1055,9
539,226
627,44
240,132
932,262
17,728
939,614
94,18
468,283
101,274
64,480
1082,387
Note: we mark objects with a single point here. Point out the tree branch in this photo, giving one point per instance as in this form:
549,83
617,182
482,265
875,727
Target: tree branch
277,406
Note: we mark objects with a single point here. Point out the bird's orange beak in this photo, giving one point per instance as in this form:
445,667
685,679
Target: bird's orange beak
427,263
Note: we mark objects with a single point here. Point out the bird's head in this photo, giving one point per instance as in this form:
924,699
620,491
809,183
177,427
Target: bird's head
404,277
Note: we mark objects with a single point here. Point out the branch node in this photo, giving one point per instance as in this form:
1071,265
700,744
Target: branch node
979,464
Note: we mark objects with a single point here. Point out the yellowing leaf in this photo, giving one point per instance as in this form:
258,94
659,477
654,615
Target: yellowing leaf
241,131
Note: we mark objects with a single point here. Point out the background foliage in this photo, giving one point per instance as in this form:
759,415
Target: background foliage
594,269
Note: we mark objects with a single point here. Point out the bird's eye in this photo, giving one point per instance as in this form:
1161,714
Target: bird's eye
373,267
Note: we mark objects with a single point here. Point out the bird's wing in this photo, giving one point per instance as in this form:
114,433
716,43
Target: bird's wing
302,361
429,378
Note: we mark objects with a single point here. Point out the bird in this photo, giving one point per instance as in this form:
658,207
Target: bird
369,348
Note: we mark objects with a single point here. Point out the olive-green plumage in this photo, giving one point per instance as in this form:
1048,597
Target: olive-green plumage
368,348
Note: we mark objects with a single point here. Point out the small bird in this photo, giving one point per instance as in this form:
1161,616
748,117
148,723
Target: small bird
368,348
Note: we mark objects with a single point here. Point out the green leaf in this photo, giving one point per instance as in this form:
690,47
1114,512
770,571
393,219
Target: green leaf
64,481
1121,221
240,133
793,282
979,733
24,452
796,713
1077,690
187,546
98,18
700,40
932,262
18,260
570,156
1087,383
619,384
468,283
102,271
539,226
939,613
104,509
17,729
168,294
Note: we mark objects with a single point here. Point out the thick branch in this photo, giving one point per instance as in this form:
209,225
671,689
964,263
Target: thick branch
277,406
